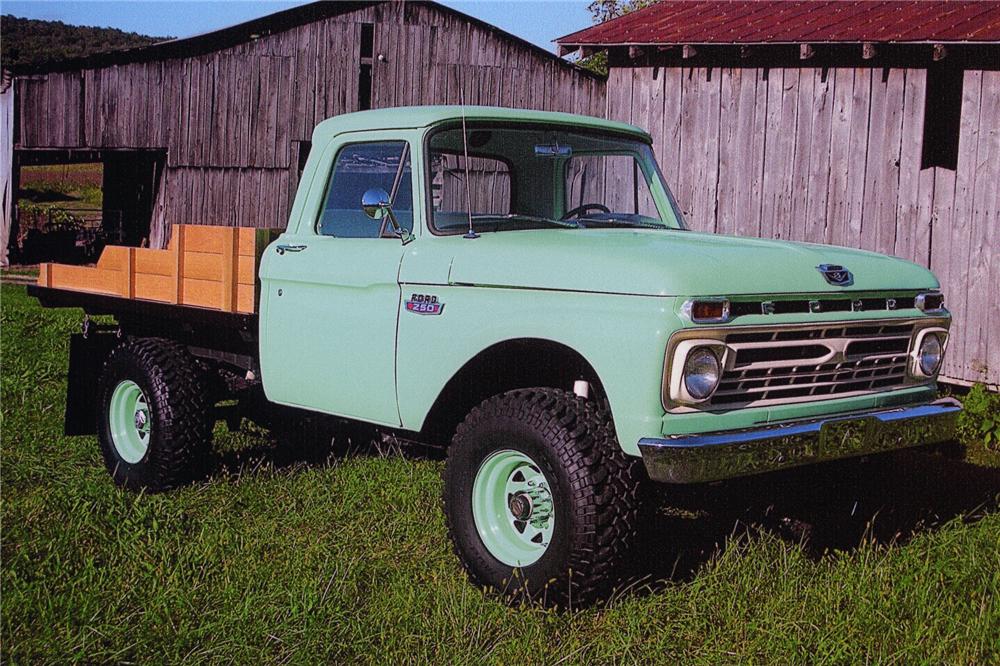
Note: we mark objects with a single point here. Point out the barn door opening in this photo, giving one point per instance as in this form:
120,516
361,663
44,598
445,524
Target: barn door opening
131,182
70,203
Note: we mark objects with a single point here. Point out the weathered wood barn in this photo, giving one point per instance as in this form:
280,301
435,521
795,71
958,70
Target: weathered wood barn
866,124
214,129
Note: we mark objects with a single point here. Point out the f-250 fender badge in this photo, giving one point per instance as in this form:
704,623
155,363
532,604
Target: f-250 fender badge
424,304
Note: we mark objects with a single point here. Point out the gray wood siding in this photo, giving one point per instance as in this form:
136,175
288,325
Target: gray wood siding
834,157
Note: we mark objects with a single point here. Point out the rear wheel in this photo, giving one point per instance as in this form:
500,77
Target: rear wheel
541,501
154,424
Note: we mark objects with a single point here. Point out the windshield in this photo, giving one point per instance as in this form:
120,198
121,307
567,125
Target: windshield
537,177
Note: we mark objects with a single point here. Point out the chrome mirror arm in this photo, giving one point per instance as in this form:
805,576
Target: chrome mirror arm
375,203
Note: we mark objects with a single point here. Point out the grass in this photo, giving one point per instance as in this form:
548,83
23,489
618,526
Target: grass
277,560
62,185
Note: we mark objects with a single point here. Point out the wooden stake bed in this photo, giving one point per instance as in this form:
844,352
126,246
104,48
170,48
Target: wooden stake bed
204,266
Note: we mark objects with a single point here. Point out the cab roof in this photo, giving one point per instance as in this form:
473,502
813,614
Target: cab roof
414,117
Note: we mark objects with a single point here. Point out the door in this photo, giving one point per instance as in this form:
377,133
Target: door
332,296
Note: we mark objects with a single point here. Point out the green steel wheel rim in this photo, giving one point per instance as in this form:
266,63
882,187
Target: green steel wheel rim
129,421
512,507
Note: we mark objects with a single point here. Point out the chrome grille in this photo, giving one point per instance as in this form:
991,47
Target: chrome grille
821,304
815,363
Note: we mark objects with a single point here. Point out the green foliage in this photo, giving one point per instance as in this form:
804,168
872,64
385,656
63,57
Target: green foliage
606,10
31,42
349,562
980,419
47,217
597,63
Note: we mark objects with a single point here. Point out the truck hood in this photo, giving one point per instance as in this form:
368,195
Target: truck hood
671,263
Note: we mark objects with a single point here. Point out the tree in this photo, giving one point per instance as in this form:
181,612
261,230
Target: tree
29,42
605,10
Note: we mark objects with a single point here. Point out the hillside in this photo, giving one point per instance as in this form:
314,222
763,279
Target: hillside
30,42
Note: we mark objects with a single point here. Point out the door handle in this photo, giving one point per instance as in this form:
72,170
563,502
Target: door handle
290,248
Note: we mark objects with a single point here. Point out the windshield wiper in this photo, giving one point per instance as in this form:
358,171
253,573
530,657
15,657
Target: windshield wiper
564,224
587,221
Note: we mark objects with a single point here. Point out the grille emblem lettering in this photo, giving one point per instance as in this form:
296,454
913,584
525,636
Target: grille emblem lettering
836,275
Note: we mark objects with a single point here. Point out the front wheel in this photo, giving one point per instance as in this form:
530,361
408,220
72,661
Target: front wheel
541,501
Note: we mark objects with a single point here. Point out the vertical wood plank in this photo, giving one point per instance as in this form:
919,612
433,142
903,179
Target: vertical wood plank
128,274
230,257
991,121
962,214
982,229
782,94
793,226
819,158
177,243
913,196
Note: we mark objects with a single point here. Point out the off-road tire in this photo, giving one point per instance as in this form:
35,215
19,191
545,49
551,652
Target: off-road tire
595,490
180,414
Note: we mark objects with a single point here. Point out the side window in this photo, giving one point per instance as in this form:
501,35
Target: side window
360,167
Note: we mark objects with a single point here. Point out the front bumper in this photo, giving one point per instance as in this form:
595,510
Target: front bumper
733,453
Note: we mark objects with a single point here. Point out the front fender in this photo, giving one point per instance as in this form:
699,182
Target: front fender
622,337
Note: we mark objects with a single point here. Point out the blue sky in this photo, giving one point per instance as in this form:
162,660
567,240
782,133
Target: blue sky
535,21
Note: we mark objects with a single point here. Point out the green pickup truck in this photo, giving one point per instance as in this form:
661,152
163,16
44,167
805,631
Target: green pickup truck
521,288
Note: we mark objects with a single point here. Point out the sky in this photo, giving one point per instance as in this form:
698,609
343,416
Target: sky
537,21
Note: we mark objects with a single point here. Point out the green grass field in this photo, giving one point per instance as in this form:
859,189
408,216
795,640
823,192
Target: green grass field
274,559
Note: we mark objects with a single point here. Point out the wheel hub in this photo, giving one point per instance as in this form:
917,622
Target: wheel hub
513,508
140,420
540,506
520,506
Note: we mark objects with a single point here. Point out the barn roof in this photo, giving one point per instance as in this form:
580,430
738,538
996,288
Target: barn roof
260,27
678,22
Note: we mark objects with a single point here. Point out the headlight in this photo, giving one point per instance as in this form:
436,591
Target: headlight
929,355
701,373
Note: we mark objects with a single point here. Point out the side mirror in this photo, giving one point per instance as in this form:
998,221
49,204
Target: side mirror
376,205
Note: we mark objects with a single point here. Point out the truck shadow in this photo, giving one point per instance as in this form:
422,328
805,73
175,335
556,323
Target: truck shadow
335,441
823,510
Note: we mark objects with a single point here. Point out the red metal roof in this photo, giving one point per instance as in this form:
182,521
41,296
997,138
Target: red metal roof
797,21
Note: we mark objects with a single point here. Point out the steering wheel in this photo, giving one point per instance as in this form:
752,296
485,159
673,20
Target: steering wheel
579,210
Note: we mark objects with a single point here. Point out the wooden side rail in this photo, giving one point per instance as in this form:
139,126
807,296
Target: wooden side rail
205,266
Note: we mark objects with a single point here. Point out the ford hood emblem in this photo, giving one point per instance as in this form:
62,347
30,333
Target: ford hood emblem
836,275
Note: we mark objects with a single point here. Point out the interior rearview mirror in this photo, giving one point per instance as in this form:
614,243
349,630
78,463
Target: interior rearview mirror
376,205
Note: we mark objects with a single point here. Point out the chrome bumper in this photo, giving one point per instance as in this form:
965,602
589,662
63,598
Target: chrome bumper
733,453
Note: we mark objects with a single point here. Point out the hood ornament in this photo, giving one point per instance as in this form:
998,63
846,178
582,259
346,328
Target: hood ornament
836,275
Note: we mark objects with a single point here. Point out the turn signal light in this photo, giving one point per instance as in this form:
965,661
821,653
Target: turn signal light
930,301
708,310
